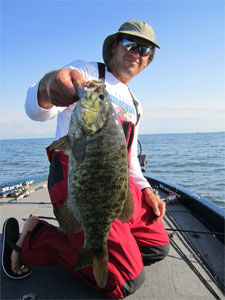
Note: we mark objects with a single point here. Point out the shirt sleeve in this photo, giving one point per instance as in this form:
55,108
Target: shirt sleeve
135,168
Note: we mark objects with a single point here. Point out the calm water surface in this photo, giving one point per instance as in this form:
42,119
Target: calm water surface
195,161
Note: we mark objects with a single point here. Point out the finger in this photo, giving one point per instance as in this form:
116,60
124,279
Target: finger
61,91
62,96
157,219
79,83
156,210
61,99
162,210
64,79
77,78
61,88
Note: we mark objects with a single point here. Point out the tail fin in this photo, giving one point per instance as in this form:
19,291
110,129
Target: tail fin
84,259
100,269
100,265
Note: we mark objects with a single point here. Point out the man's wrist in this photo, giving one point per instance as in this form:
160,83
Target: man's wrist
146,189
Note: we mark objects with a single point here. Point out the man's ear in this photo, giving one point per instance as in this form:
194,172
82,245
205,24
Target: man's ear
152,56
114,46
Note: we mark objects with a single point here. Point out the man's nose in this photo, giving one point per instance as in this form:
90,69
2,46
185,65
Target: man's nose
135,51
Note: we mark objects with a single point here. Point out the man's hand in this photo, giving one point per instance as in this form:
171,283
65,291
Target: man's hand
158,205
58,88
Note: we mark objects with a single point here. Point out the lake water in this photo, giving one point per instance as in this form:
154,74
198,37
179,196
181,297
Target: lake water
195,161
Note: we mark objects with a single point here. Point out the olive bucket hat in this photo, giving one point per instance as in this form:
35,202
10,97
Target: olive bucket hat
133,27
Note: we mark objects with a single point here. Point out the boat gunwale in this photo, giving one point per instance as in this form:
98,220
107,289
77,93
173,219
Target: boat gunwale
211,215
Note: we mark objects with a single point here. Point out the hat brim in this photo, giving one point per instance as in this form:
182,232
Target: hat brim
107,45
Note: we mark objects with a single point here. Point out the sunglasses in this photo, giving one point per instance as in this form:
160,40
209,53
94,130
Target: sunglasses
132,46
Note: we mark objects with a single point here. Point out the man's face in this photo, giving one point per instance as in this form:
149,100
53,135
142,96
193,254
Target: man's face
126,64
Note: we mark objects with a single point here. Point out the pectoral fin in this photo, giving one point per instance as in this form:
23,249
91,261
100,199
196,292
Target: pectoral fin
67,220
128,208
61,144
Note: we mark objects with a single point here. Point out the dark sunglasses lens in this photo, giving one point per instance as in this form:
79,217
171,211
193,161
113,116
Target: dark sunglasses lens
143,50
131,46
128,45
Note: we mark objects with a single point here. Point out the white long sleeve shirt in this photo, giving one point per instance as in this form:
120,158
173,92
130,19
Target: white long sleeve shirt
120,97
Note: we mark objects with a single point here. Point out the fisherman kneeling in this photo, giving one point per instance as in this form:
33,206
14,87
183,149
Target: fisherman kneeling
143,239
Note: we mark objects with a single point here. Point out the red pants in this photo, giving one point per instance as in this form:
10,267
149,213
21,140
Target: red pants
129,244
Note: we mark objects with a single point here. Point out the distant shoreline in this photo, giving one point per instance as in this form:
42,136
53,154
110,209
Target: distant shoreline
165,133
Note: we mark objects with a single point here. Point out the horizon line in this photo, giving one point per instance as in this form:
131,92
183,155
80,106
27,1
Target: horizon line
194,132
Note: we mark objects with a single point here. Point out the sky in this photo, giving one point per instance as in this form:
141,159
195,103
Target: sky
181,91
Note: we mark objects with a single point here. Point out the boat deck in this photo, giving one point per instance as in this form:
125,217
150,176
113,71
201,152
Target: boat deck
182,275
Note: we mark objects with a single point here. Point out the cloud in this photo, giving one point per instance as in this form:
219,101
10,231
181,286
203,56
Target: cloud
162,111
182,118
17,125
157,118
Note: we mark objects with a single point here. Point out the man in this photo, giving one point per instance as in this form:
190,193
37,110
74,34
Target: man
143,239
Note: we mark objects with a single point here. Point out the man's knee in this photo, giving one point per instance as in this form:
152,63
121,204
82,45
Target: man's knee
117,290
131,286
152,254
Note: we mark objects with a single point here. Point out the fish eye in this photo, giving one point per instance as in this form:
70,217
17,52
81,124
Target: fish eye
102,97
